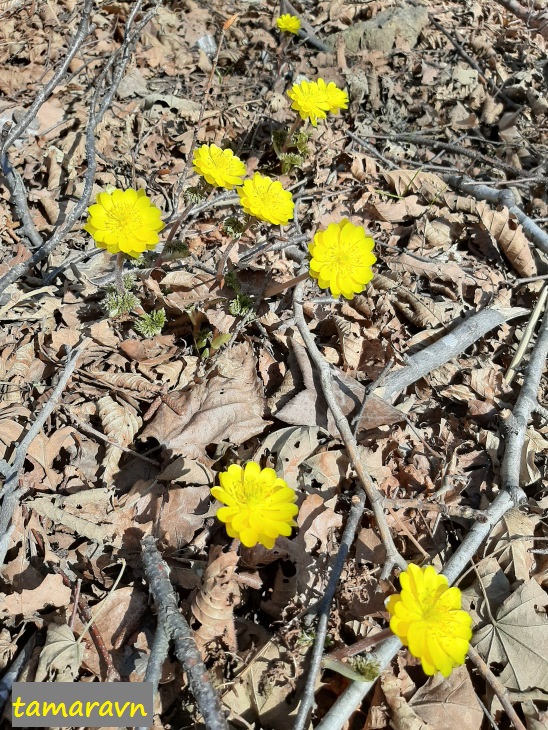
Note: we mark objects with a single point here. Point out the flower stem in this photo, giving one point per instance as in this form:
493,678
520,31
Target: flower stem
119,270
294,127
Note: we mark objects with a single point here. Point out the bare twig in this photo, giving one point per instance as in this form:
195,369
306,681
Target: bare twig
10,493
158,654
449,510
374,495
96,111
177,630
496,685
537,21
502,197
307,699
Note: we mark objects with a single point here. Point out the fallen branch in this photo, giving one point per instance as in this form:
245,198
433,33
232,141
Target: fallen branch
307,700
496,685
374,495
176,629
446,348
536,21
11,494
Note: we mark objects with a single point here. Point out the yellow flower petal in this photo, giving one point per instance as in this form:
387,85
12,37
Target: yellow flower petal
427,617
124,221
259,505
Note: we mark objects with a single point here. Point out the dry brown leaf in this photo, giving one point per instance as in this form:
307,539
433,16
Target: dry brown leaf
126,381
51,593
120,423
351,341
433,269
227,407
183,513
516,559
60,657
450,702
402,715
316,524
291,446
308,407
404,181
215,600
45,449
398,211
510,236
518,640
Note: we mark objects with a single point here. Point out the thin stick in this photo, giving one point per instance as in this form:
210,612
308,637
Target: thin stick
177,629
10,493
496,685
374,495
307,699
524,342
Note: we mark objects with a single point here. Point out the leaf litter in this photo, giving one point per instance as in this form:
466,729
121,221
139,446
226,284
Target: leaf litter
190,409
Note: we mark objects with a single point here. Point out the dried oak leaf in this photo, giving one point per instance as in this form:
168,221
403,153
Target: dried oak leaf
229,406
309,408
508,233
215,600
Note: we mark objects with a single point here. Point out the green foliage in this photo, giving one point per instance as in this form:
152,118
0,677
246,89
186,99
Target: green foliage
176,249
365,666
207,344
150,325
117,304
235,226
290,161
196,193
241,305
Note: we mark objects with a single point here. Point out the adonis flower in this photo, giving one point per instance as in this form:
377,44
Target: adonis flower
335,97
124,221
259,504
342,258
267,200
428,618
309,100
221,168
314,99
289,23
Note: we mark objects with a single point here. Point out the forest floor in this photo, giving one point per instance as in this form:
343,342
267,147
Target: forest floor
442,157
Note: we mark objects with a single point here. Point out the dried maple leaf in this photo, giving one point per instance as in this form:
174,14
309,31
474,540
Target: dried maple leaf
228,407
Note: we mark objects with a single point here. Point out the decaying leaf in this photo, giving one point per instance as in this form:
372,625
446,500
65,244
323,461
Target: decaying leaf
308,408
518,640
51,593
216,599
449,702
61,656
227,407
120,423
508,233
292,446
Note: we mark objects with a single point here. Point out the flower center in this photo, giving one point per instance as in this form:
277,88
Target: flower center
124,217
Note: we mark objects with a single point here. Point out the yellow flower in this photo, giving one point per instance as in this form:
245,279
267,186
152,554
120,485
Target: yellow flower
266,200
310,101
427,617
260,505
221,168
342,258
336,98
289,23
124,221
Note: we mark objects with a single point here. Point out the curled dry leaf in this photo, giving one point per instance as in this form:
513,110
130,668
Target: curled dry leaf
127,381
215,600
508,233
120,423
227,407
